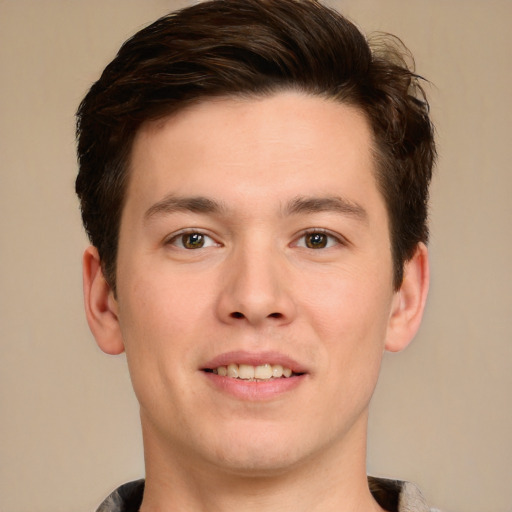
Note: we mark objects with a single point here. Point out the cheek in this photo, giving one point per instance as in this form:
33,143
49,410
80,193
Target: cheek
349,303
161,305
159,320
350,316
349,319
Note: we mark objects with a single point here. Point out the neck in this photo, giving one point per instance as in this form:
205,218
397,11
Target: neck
334,480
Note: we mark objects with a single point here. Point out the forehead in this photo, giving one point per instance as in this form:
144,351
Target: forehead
263,146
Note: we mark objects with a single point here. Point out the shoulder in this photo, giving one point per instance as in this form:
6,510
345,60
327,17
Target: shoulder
126,498
398,495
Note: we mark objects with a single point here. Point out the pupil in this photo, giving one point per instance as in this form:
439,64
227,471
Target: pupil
316,240
193,240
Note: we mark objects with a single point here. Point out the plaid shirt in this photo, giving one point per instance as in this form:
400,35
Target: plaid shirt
392,495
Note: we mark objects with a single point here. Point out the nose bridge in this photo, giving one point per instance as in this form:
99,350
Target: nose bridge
255,287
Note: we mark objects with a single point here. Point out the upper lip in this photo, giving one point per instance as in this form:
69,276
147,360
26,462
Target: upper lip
254,359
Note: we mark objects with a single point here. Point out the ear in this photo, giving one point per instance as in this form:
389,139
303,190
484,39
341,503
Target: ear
100,305
409,301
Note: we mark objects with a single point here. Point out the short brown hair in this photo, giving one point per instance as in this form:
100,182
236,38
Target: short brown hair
255,48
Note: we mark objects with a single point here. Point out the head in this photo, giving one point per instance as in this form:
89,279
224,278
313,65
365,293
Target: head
254,49
254,180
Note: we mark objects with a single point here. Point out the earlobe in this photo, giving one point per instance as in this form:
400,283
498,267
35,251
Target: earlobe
100,305
409,301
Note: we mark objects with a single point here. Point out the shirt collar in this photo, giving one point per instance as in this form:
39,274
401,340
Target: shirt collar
392,495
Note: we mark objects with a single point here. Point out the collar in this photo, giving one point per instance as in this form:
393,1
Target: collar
392,495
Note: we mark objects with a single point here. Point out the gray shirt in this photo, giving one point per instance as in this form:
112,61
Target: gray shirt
392,495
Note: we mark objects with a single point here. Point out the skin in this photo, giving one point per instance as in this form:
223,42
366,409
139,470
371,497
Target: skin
282,171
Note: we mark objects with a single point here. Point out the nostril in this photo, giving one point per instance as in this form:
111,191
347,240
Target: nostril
239,315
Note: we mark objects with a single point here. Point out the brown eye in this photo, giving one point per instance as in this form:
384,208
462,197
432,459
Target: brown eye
316,240
193,240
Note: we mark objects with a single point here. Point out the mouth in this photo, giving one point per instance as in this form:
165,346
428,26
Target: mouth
262,376
261,372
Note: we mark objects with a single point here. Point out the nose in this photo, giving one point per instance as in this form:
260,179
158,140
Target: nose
256,289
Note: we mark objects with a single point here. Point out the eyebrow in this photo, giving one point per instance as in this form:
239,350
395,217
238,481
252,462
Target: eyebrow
335,204
298,205
194,204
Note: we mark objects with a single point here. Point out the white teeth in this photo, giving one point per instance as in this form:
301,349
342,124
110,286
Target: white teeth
245,371
263,371
249,372
233,371
277,371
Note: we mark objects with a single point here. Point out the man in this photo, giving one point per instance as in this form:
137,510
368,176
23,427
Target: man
254,181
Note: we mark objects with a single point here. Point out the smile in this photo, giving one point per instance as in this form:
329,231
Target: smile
254,377
260,372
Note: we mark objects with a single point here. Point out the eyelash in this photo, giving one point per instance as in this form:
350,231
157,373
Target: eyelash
177,239
332,239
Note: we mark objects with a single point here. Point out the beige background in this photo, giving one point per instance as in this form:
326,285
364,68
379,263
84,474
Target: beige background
442,414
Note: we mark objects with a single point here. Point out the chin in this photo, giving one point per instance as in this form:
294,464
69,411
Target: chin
260,454
255,463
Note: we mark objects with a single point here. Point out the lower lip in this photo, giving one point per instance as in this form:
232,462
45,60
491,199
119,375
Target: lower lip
254,391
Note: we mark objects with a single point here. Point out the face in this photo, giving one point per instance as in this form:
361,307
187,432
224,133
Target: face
254,242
